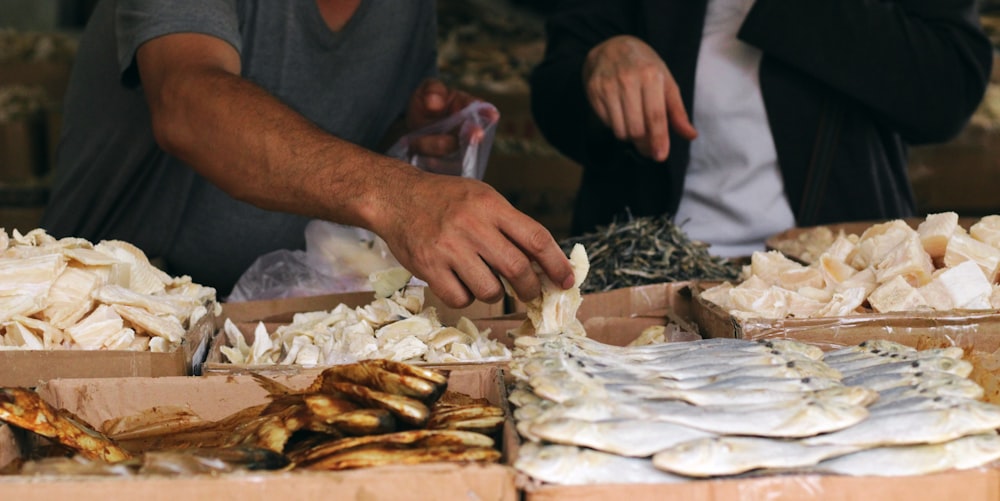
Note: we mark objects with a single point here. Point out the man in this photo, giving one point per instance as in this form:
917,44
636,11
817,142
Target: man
741,118
209,132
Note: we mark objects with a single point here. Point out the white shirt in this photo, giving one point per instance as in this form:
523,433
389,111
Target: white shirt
734,196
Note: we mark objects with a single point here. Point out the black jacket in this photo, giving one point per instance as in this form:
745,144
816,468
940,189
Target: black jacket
847,85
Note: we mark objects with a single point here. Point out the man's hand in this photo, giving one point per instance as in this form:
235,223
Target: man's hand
632,92
458,234
431,102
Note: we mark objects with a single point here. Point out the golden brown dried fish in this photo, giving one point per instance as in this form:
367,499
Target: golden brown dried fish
26,409
409,410
364,422
414,438
179,430
378,378
379,455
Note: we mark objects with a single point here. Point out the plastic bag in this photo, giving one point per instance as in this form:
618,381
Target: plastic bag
476,125
340,258
337,258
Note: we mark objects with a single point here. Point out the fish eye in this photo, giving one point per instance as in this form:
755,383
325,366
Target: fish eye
790,365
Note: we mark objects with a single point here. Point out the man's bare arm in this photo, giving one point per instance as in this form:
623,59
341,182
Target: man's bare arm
454,233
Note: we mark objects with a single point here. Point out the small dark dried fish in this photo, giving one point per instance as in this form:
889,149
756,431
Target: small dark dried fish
647,250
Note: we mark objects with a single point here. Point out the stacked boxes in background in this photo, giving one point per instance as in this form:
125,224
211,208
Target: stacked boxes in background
34,73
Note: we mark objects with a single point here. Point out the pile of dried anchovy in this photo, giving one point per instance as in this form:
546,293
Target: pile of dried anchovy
647,250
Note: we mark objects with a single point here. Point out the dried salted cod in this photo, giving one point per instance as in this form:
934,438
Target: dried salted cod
554,310
388,281
69,298
114,294
96,329
31,275
19,335
237,350
21,304
52,337
143,276
168,327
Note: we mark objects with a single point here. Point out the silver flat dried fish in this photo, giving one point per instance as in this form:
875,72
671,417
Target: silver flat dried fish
918,427
717,456
569,465
961,453
626,437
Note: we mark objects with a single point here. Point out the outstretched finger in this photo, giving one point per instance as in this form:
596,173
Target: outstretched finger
676,112
655,113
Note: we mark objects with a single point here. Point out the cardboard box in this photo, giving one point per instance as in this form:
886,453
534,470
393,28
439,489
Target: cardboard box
979,330
97,400
282,310
31,367
51,76
275,313
660,299
616,317
979,484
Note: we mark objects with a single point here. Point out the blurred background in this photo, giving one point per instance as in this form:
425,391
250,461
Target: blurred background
487,47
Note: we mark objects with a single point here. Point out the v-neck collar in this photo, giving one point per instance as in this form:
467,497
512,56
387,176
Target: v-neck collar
318,28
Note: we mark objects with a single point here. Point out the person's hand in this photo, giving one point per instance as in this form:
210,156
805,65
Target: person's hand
434,101
458,234
632,92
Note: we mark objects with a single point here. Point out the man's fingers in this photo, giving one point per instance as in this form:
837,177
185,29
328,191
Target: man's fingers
449,289
480,280
617,116
539,246
434,95
676,113
635,119
435,145
655,113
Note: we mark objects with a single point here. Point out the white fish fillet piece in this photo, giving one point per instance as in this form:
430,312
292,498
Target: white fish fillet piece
115,294
144,278
18,305
932,426
717,456
94,331
554,310
962,453
569,465
626,437
167,327
30,275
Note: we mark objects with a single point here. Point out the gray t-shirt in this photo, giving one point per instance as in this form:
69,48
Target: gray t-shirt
112,181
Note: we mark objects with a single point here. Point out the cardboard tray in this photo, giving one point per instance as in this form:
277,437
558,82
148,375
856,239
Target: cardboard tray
282,310
979,483
275,313
97,400
978,330
31,367
617,317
